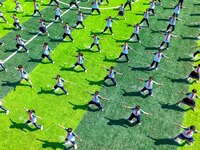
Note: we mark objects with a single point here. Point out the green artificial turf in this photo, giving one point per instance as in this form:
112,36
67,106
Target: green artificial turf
99,130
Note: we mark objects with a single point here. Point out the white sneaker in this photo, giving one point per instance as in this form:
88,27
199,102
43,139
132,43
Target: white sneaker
152,94
196,81
41,128
53,62
67,93
156,68
139,124
7,112
2,44
131,121
139,41
142,92
85,70
27,51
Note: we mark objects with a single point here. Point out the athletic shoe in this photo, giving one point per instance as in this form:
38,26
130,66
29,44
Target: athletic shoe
7,112
41,128
62,21
22,29
85,70
27,51
131,121
6,70
53,62
139,124
156,68
196,81
2,44
67,93
151,94
102,109
142,92
139,41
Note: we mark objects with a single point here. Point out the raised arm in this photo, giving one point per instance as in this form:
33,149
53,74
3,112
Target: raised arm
61,126
128,107
88,92
180,126
159,84
140,79
77,137
25,109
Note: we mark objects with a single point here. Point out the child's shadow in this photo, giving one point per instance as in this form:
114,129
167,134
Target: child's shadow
119,122
82,107
70,69
21,126
52,145
173,107
134,94
49,92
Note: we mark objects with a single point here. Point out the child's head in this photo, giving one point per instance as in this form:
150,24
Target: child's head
112,68
69,130
137,107
192,128
96,93
58,76
194,91
150,78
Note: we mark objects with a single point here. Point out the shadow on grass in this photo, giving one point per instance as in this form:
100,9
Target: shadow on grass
195,14
52,145
57,40
9,50
32,33
184,59
70,69
109,60
119,122
99,83
163,19
121,40
181,80
49,92
85,50
82,107
13,84
21,126
97,33
189,38
193,26
11,28
174,107
168,7
134,94
34,60
166,141
140,68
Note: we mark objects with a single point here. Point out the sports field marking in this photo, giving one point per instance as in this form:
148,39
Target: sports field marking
13,54
99,8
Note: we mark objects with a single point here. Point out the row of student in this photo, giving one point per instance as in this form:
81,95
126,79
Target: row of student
135,114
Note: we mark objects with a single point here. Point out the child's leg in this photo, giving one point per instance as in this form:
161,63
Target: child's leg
111,30
62,88
168,27
197,52
120,55
105,29
98,11
76,5
18,46
69,35
131,117
138,38
64,36
156,66
152,64
98,47
24,47
113,80
162,43
144,89
99,105
147,21
138,119
150,92
83,66
4,18
2,66
36,125
132,35
92,45
106,77
82,24
50,59
142,20
126,55
28,122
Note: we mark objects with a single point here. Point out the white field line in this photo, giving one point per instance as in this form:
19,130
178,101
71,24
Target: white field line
13,54
91,8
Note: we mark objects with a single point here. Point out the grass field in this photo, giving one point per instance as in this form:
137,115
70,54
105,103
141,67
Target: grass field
108,129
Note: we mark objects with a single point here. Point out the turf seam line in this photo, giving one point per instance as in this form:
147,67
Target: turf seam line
9,57
99,8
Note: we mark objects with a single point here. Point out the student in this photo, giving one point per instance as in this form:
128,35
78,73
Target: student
95,7
16,22
186,134
2,65
96,100
74,2
51,1
36,9
60,84
166,40
18,6
42,28
160,2
46,52
152,7
190,99
177,9
67,32
121,12
128,2
197,52
148,85
109,22
80,20
2,16
71,137
33,119
136,112
24,75
57,14
3,108
135,33
172,23
106,1
20,43
96,42
124,52
80,61
195,73
146,17
157,58
111,75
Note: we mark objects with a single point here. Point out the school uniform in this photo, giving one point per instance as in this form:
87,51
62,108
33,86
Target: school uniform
96,101
18,6
23,74
57,14
60,85
152,7
80,21
111,76
17,23
146,18
20,42
136,32
172,23
33,120
74,2
42,27
70,139
121,11
95,7
177,10
157,58
166,40
36,9
135,114
190,100
124,52
2,107
80,62
149,87
108,25
187,135
128,2
195,74
46,53
1,16
67,32
96,42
